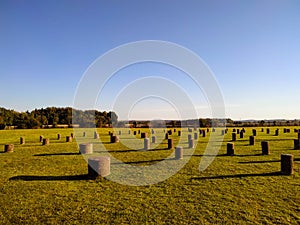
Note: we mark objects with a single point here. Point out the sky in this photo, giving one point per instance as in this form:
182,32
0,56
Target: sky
251,47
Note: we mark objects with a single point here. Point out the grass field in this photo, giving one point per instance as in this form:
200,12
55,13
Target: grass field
48,184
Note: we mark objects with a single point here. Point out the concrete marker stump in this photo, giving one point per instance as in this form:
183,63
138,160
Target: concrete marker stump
46,141
69,139
265,147
296,144
196,136
115,139
178,153
241,134
86,148
170,143
96,135
191,143
233,136
98,167
9,148
144,135
22,140
153,139
251,140
146,144
287,164
230,149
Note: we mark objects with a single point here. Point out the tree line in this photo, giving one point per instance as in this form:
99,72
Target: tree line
54,116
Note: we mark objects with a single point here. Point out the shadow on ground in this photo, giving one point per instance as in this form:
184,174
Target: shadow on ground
50,178
53,154
238,176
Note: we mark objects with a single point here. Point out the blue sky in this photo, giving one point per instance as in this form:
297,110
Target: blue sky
252,47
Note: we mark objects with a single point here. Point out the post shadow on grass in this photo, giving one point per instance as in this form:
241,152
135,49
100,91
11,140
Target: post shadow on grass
57,154
278,173
50,178
133,150
145,161
262,161
222,155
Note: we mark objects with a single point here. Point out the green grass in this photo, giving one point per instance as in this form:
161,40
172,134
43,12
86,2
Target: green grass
47,184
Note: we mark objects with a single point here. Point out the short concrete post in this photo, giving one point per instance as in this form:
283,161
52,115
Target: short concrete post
265,147
178,153
46,141
233,136
170,143
251,140
146,144
287,164
22,140
191,143
153,139
241,134
98,167
9,148
167,136
86,148
69,139
296,144
114,139
230,148
144,135
196,136
96,135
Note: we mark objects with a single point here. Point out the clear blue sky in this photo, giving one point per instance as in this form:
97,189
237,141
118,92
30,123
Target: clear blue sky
253,48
